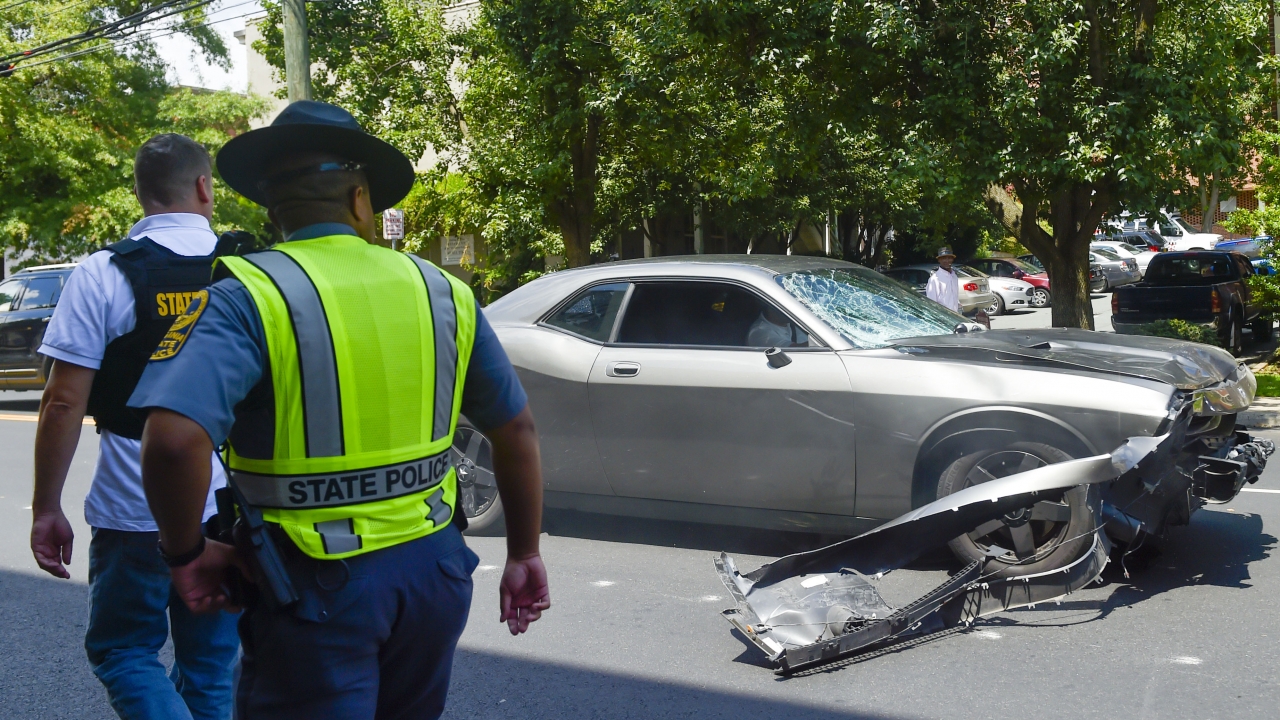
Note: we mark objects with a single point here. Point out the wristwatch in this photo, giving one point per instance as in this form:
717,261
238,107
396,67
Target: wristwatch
185,558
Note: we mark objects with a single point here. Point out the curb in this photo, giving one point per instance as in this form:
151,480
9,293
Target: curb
1264,413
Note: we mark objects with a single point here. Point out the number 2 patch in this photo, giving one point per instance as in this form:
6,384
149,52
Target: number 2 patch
176,337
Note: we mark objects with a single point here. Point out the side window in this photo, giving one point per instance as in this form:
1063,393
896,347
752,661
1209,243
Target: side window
708,314
1246,268
919,277
592,313
9,291
42,292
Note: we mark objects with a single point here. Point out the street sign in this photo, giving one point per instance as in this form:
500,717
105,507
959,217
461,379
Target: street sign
393,225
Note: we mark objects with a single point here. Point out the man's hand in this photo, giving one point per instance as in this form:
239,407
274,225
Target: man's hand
202,583
51,538
523,593
62,408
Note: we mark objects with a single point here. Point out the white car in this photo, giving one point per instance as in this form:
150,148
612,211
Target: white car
1141,255
1177,234
1009,292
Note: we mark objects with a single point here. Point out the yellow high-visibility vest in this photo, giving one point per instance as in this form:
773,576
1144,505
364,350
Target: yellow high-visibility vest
368,350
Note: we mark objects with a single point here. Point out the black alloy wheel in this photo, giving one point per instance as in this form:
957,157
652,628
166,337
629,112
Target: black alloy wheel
477,488
1040,298
1051,534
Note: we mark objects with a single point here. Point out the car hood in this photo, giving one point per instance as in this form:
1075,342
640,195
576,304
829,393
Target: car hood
1185,365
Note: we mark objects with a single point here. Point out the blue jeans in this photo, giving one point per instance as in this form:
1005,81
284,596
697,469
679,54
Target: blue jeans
372,637
129,591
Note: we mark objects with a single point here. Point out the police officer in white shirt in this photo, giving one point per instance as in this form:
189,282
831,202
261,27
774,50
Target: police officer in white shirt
944,286
99,338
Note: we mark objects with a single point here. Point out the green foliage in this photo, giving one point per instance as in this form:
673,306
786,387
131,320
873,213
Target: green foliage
1180,330
69,130
1268,385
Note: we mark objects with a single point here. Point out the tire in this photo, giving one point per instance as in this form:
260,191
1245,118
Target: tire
1262,329
995,308
1040,298
477,490
1106,286
1233,339
1049,536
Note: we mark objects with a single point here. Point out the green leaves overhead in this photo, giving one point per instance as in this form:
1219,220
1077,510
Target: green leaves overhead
69,129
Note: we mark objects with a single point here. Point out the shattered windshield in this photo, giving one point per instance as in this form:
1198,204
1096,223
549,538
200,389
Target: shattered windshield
868,309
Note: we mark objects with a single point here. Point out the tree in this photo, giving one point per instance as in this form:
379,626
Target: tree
1074,110
69,129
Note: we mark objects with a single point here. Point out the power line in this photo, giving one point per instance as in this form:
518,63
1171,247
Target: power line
14,5
125,42
64,8
122,25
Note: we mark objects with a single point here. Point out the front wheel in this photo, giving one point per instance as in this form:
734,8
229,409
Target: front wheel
996,307
477,488
1040,298
1049,535
1233,338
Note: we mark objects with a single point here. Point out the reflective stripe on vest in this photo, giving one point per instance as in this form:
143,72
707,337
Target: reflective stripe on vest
366,350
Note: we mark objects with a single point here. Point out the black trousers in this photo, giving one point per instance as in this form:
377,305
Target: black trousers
373,639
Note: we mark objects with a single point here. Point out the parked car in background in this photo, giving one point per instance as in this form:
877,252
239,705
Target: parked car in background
1249,247
1117,270
1097,280
1206,287
1140,254
1263,266
1177,234
26,303
1009,292
652,401
1018,269
975,292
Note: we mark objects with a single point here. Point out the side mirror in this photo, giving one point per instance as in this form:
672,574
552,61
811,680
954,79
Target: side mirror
777,358
1019,274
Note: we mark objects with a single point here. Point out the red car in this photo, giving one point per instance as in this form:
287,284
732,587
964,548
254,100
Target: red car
1019,270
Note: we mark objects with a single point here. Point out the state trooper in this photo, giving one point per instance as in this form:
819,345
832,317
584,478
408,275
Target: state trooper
335,371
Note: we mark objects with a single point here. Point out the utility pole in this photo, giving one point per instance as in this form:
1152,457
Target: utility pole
297,50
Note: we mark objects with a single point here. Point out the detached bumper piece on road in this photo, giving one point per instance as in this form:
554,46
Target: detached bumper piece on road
818,606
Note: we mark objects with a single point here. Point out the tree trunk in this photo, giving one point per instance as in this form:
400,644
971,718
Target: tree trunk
575,212
1075,212
1210,211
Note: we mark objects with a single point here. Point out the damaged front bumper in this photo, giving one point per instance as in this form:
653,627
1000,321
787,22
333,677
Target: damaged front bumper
818,606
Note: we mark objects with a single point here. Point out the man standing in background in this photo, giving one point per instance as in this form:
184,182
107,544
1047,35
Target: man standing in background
112,313
944,286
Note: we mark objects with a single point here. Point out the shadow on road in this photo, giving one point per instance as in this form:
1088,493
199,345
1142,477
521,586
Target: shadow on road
23,405
43,670
671,533
1216,549
490,685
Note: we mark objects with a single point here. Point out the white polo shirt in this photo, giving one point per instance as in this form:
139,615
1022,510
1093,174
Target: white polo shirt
96,307
944,289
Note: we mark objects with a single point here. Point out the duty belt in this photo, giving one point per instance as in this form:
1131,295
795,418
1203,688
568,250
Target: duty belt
345,487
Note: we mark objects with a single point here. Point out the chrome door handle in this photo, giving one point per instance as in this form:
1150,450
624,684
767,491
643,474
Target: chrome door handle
622,369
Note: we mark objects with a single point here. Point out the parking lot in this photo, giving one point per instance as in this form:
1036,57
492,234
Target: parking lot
635,631
1043,317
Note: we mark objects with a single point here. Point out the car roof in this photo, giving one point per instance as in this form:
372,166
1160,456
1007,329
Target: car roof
531,300
60,268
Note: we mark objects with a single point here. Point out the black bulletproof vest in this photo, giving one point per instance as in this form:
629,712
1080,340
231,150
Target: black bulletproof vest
163,283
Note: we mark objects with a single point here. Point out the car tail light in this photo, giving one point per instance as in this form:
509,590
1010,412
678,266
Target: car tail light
1115,303
971,287
1216,300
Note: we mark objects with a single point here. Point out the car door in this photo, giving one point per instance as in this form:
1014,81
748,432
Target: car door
12,344
686,406
1245,268
554,359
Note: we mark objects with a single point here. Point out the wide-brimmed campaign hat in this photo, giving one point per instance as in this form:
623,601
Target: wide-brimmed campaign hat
306,125
943,251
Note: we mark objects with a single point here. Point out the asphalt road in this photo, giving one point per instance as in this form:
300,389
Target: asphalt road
1043,318
634,630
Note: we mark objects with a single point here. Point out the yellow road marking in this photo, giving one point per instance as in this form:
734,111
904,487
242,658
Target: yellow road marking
32,418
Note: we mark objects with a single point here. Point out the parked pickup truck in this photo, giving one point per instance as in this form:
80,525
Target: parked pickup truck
1206,287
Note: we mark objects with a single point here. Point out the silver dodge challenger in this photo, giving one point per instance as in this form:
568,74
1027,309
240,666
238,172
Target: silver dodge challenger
808,394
